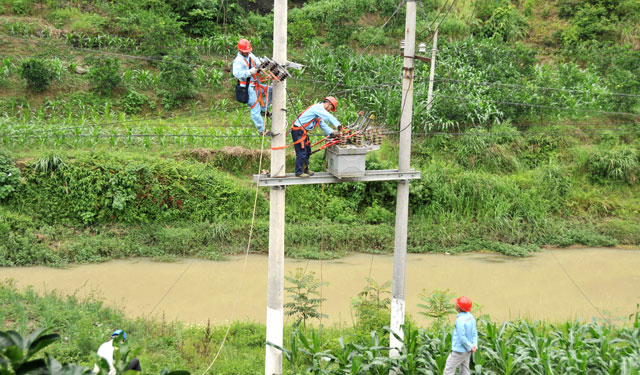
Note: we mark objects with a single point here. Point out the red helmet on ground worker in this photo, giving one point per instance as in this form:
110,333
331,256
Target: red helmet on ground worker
333,102
464,303
244,45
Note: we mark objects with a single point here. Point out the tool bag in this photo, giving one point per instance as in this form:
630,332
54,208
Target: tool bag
242,91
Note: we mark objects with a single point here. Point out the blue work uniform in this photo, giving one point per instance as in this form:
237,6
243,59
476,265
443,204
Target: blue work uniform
464,338
465,334
306,122
258,93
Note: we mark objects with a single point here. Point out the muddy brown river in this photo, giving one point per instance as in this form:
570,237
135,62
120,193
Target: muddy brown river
552,285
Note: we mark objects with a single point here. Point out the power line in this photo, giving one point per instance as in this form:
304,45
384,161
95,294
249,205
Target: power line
617,130
445,16
136,57
371,42
545,88
475,4
119,122
546,106
579,289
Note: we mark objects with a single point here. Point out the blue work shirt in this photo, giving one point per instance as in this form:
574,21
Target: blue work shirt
241,67
314,112
465,334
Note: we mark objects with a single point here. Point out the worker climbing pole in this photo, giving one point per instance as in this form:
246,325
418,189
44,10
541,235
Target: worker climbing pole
252,74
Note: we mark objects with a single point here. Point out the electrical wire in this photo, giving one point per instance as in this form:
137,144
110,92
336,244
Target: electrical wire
371,42
445,16
246,255
543,88
430,25
473,12
578,287
179,116
102,52
171,287
545,106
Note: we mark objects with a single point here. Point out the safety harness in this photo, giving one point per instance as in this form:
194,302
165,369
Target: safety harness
261,90
304,139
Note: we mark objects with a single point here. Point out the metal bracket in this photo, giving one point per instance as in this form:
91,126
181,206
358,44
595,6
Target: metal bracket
328,178
294,65
418,57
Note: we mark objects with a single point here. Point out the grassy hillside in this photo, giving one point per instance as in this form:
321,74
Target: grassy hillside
121,136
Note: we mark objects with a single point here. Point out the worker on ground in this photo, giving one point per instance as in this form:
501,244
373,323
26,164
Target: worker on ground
245,69
464,341
317,114
106,351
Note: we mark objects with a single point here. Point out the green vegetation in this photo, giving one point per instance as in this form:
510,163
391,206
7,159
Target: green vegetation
117,121
305,296
516,347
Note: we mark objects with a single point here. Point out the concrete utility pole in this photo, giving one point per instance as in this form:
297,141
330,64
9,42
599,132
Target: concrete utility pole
432,72
402,203
275,281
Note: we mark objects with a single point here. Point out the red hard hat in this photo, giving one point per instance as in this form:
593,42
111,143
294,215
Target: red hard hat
244,45
464,303
333,102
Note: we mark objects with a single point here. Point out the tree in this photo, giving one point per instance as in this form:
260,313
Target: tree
304,306
437,305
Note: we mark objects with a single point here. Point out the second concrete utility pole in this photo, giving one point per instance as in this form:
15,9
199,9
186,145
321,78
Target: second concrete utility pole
402,203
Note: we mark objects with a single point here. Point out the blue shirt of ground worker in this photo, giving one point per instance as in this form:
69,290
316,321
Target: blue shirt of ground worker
465,334
314,112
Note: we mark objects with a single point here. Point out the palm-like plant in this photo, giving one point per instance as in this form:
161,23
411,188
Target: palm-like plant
17,354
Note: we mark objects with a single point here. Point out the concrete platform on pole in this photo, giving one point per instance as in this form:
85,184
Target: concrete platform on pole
328,178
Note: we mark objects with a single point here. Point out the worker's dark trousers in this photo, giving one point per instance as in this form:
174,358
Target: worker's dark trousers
302,154
134,365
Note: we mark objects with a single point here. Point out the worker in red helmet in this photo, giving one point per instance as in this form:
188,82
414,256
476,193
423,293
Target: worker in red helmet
317,114
245,69
464,340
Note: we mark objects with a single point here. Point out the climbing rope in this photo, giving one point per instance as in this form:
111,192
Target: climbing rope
246,253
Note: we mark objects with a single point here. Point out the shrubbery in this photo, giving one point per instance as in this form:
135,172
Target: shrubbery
104,75
37,74
101,189
178,78
617,164
133,102
9,175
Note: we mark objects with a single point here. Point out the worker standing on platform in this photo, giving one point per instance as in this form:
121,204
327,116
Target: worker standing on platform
245,69
307,121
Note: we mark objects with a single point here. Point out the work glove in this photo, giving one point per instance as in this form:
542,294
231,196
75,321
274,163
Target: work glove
333,135
340,128
253,70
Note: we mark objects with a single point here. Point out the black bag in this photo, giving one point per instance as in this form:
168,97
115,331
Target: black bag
242,92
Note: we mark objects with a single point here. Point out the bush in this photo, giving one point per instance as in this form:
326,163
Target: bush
488,149
500,20
617,164
178,78
9,175
37,74
202,17
372,308
20,245
21,7
104,189
133,102
377,214
104,75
